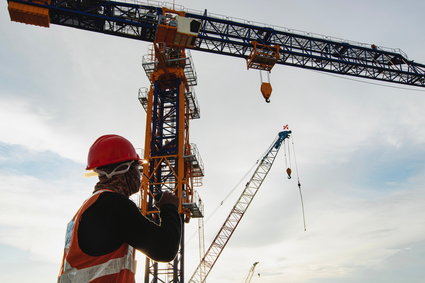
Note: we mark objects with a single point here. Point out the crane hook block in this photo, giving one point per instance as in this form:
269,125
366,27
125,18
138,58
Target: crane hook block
289,171
266,90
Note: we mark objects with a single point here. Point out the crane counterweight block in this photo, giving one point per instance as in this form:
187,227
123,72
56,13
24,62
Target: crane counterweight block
34,14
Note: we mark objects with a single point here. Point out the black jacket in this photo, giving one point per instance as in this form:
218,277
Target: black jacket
114,219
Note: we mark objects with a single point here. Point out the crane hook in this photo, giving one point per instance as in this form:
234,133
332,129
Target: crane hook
266,91
289,171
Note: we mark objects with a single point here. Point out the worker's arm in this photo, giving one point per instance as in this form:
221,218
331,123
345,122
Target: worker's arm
114,219
159,242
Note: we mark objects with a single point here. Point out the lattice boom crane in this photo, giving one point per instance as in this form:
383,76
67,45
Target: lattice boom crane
231,223
251,272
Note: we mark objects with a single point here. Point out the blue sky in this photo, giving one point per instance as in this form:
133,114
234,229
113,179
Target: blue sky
18,160
359,146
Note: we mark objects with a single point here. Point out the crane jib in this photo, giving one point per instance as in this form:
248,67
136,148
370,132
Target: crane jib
226,36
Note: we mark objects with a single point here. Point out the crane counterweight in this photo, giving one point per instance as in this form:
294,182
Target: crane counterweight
30,14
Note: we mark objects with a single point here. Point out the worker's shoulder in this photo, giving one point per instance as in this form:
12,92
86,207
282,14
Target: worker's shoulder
114,197
111,203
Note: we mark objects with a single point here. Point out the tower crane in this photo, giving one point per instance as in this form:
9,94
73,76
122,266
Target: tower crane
262,45
173,163
238,211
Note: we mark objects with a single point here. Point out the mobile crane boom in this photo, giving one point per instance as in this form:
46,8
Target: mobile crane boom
226,231
251,272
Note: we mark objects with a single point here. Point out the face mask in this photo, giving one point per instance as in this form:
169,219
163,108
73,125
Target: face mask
134,174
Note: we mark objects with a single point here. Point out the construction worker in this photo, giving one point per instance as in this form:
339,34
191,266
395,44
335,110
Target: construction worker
102,236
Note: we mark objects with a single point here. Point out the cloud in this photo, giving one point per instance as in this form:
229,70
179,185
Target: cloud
36,207
347,232
360,211
31,127
36,271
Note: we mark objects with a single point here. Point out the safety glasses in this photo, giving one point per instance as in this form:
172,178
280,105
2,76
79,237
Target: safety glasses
126,166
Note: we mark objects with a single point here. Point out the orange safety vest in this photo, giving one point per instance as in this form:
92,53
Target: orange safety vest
115,267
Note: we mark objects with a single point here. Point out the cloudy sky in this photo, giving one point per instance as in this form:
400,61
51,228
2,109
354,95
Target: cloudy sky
360,146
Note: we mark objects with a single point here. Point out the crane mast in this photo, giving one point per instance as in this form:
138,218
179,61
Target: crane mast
226,231
173,163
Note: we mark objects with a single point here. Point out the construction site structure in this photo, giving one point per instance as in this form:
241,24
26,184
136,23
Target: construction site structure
251,272
231,223
173,162
262,45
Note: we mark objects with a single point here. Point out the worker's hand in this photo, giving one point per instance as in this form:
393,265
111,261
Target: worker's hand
167,198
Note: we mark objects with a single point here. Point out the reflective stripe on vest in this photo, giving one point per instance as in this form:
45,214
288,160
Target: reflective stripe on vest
79,267
113,266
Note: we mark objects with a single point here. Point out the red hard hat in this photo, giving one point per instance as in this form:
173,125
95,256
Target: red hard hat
109,149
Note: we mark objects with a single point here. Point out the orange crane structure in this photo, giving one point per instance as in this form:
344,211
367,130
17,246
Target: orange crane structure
173,163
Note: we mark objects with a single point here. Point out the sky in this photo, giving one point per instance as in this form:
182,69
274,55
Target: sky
359,146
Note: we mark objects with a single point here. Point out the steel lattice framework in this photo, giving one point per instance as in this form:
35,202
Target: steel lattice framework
234,38
172,162
298,50
164,171
238,210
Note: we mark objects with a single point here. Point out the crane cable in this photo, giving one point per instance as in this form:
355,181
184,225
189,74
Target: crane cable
299,184
284,155
287,156
286,149
231,192
227,196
